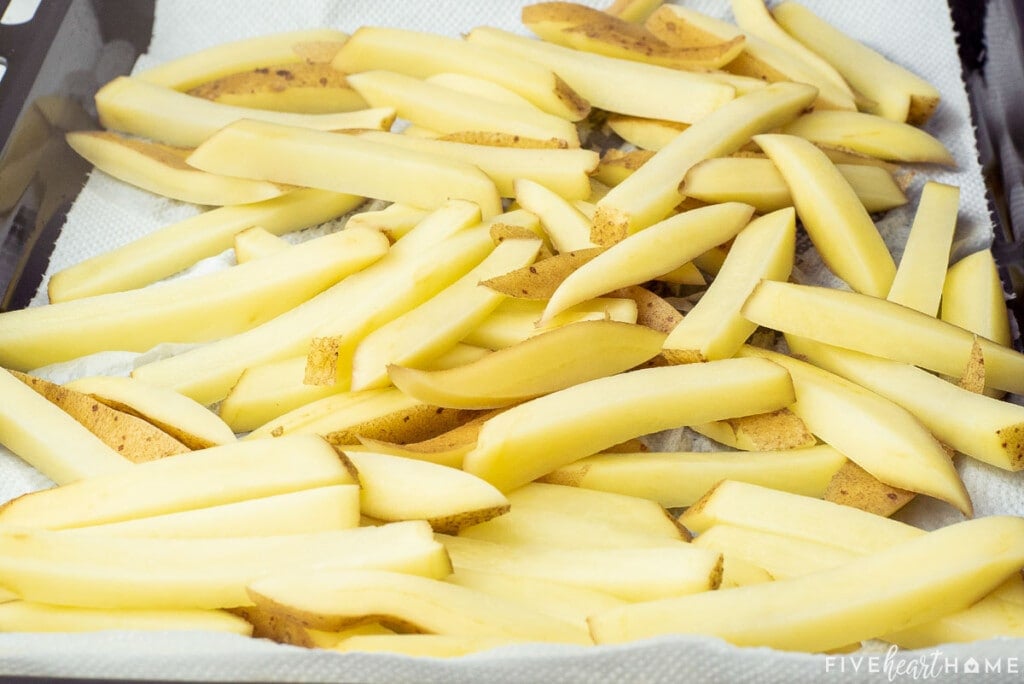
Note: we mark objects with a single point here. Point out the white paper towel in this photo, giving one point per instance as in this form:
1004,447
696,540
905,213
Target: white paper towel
915,33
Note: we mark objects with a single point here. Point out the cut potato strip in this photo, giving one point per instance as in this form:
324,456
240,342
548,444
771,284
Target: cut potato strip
973,298
775,430
253,243
565,225
647,134
300,88
516,320
26,616
394,220
870,135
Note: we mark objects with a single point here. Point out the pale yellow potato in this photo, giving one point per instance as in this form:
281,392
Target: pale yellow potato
881,328
50,440
89,570
545,363
979,426
198,309
394,220
129,105
27,616
633,10
566,226
533,438
973,298
679,479
255,242
445,449
783,556
907,585
398,488
422,54
209,477
871,135
516,320
483,87
774,430
299,87
650,193
174,247
343,163
646,134
335,412
714,328
335,600
161,169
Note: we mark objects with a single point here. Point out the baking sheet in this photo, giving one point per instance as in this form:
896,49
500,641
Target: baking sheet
915,33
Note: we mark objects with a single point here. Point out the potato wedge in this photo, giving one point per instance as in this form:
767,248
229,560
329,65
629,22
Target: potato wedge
973,298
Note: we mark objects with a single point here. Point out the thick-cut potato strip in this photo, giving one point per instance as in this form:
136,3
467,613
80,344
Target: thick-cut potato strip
48,439
130,436
336,412
161,169
67,568
564,171
300,88
640,574
279,48
548,362
482,87
774,430
544,514
922,269
535,437
647,134
318,509
434,326
679,479
836,221
198,479
253,243
652,191
422,645
129,105
344,163
976,425
714,328
973,298
333,601
907,585
350,308
584,28
177,415
617,85
516,320
444,110
633,10
893,91
26,616
172,248
565,225
757,182
656,250
872,135
881,328
196,309
398,488
394,220
423,54
872,431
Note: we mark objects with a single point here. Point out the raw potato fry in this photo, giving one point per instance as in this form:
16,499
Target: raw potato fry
617,85
617,166
757,182
177,246
26,616
563,170
540,279
643,574
161,169
881,328
836,221
538,436
854,486
449,111
397,488
334,412
565,225
679,479
422,54
317,509
976,425
227,58
133,438
633,10
482,87
973,298
177,415
129,105
583,28
333,601
664,246
647,134
219,475
343,163
870,135
394,220
907,585
300,88
516,320
440,322
714,328
253,243
548,362
652,311
651,192
562,517
48,439
893,91
875,433
206,307
775,430
96,571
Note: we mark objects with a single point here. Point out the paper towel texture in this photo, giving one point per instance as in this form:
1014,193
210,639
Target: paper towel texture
915,33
